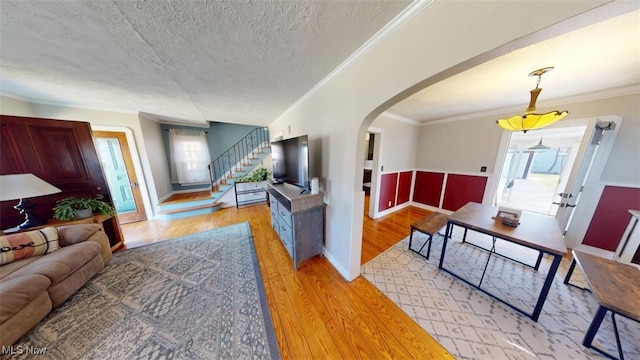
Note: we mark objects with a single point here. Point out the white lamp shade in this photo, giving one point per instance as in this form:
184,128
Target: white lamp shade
22,186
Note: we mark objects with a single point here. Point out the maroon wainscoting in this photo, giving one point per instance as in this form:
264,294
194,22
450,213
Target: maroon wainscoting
404,187
428,188
461,189
611,217
388,184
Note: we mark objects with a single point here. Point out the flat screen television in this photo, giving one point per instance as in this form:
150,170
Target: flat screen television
290,159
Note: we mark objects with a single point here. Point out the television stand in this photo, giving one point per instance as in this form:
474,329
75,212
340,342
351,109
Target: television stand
298,218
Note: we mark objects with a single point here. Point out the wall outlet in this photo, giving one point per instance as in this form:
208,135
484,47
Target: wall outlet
483,169
389,202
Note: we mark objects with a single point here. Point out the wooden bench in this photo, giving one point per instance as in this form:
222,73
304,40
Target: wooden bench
616,287
429,225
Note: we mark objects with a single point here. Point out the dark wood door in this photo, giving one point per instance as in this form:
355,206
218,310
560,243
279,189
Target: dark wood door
57,151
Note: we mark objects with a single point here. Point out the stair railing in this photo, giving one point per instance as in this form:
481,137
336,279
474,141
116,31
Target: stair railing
230,162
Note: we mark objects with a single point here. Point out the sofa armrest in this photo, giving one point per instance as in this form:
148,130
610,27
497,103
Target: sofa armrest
105,248
72,234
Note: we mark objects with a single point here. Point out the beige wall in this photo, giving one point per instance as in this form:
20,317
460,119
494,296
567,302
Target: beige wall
464,146
399,144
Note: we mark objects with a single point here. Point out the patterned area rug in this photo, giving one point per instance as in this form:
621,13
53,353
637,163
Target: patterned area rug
196,297
473,325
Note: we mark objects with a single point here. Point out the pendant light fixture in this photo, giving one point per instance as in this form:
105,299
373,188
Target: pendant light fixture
540,146
532,120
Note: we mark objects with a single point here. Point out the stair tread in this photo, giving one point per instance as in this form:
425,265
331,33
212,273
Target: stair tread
196,207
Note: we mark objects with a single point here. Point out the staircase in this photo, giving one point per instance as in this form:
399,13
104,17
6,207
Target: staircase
234,163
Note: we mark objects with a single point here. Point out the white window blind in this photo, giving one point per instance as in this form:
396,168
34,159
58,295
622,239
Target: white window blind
189,157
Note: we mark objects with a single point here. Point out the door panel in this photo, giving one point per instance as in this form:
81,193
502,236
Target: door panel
117,163
611,217
388,185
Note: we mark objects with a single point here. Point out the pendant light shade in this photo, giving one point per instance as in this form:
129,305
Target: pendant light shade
540,146
532,120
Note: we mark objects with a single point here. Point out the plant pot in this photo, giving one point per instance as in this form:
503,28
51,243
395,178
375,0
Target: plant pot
83,213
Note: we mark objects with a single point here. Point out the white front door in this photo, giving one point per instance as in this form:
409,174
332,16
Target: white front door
587,188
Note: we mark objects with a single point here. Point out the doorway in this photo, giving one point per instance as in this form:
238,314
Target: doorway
537,167
115,156
578,187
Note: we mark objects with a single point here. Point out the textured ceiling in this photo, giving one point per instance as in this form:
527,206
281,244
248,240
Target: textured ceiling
237,61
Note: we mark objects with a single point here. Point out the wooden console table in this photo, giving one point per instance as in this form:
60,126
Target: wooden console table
616,287
250,193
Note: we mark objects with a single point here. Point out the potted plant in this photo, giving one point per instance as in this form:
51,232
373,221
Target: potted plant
260,174
74,208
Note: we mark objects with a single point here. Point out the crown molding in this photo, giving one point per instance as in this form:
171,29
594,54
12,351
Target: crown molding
400,118
404,16
600,95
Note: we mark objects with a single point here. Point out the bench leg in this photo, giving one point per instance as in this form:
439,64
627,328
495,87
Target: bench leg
429,247
594,326
567,278
570,272
419,252
410,238
615,329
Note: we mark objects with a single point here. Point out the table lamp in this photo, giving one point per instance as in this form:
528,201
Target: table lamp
24,186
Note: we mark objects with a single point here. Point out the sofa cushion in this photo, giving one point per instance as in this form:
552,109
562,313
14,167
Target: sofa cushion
73,234
8,269
21,245
60,264
19,292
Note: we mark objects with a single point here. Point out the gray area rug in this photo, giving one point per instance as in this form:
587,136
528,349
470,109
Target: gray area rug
473,325
196,297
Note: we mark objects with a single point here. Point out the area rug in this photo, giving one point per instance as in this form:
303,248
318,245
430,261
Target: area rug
196,297
473,325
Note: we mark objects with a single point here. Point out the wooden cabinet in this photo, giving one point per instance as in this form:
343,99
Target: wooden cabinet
61,153
298,218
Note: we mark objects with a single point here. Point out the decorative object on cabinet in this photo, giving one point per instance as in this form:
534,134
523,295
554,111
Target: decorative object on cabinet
23,187
298,218
532,120
259,174
71,208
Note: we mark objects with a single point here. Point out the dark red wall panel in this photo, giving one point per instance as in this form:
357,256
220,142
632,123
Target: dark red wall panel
611,217
428,188
387,191
404,187
461,189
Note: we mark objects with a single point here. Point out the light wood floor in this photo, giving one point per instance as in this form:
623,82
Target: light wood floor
316,313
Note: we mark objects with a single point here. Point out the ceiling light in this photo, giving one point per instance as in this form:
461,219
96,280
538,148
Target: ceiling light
540,146
531,120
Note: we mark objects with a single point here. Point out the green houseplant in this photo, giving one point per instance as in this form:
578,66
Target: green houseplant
67,208
260,174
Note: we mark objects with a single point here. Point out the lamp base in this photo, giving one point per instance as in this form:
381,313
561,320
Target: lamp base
26,207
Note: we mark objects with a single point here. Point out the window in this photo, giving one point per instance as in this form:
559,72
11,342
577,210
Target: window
189,157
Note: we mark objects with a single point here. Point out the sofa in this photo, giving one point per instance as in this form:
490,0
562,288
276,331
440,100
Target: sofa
40,269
